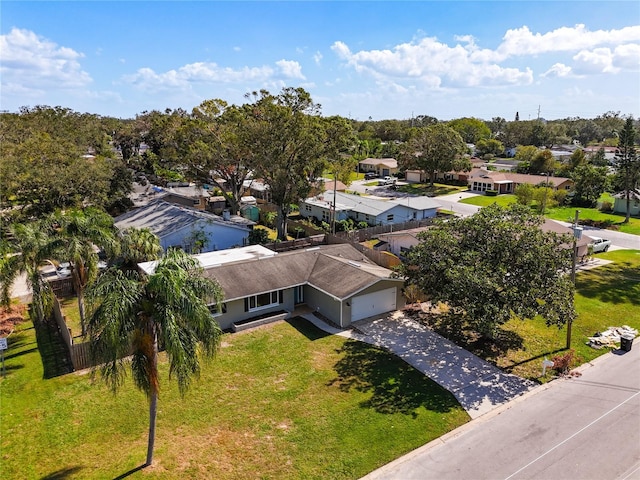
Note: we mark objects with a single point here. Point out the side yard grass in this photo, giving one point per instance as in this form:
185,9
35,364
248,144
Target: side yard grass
565,214
283,401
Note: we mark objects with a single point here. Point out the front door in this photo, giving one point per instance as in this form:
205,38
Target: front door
298,294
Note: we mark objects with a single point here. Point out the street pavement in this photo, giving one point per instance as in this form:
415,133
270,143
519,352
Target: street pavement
582,427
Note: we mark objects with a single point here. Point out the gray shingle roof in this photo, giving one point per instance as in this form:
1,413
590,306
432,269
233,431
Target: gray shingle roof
339,270
164,218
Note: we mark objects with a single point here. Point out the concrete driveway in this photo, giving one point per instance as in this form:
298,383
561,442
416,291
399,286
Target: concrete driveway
477,385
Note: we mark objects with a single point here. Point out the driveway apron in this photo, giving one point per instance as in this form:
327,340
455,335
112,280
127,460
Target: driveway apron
476,384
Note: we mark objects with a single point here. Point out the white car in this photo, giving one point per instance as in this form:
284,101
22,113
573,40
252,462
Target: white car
600,244
387,181
63,270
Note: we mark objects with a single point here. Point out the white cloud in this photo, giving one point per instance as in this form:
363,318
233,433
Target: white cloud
595,61
521,41
209,72
558,70
36,63
290,69
432,64
317,57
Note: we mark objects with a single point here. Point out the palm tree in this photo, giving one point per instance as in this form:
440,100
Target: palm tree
138,245
133,313
33,247
79,233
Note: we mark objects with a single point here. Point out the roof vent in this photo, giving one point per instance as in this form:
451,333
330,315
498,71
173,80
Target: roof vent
311,249
354,264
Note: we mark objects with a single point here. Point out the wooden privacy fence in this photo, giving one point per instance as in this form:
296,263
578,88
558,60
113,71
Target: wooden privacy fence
372,232
296,244
383,259
79,353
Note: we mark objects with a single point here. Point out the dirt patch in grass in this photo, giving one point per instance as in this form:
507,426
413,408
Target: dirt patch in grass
10,317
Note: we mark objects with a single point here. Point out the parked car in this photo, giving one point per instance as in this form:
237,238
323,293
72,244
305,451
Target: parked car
63,270
370,175
387,181
600,244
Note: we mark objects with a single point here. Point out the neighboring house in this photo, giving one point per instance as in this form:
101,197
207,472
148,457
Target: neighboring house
381,166
186,228
620,203
258,189
401,241
582,243
187,195
374,211
336,281
482,180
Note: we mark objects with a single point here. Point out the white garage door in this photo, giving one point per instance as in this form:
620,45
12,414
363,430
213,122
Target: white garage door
371,304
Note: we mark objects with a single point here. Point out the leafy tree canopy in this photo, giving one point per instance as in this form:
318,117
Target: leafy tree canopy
492,266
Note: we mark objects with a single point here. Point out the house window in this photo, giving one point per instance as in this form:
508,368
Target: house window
217,310
307,208
390,217
196,202
264,300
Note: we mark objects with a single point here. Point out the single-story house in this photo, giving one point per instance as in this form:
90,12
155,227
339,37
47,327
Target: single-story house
482,180
381,166
402,240
620,203
374,211
186,194
336,281
187,228
582,243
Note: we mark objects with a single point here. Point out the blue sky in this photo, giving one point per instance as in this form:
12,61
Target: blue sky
377,59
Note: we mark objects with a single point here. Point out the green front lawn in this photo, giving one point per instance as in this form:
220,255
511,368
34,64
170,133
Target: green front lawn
433,191
484,201
282,401
565,214
352,176
607,296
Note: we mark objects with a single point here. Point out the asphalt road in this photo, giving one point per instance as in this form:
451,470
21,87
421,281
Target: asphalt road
585,427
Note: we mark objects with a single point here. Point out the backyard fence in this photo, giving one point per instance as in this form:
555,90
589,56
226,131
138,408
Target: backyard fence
368,233
79,353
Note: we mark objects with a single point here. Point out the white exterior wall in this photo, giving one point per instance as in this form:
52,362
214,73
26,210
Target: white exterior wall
321,213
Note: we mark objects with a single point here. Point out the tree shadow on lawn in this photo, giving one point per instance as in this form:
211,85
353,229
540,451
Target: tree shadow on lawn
613,283
307,328
395,386
62,473
453,327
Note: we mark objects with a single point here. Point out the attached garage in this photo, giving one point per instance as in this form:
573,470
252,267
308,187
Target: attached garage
376,303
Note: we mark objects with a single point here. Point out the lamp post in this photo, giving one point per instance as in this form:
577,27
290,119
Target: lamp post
577,234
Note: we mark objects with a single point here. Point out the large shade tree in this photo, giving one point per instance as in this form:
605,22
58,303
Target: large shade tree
218,150
492,266
287,135
436,148
133,314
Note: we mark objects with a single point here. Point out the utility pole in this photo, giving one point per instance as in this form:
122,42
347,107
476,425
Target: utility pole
577,233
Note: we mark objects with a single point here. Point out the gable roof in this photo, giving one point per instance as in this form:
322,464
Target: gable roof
164,218
387,162
316,266
370,206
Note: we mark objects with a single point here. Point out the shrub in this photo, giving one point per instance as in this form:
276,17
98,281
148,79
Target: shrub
606,207
564,363
560,196
491,193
